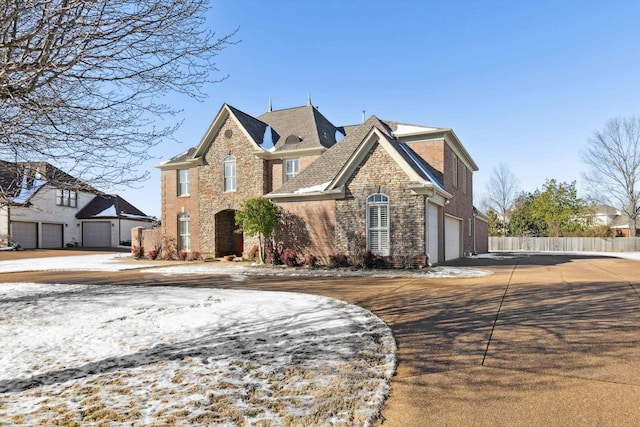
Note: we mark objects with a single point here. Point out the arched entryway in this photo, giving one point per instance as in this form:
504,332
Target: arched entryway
228,240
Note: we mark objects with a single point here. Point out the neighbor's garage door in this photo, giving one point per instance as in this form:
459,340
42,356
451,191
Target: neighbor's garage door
452,244
52,235
96,234
25,233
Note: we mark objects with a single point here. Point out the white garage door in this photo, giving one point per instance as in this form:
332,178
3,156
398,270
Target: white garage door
433,237
452,246
52,235
25,233
96,234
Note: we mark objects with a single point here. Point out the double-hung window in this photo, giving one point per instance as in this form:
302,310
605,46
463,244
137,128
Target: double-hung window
66,198
229,173
291,168
184,183
184,232
378,224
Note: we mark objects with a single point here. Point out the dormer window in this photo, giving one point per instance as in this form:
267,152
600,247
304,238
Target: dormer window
229,173
66,198
291,169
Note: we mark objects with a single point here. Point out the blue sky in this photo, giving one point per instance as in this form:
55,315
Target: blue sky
524,83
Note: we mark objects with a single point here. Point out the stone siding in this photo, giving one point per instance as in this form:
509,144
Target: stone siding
251,181
379,173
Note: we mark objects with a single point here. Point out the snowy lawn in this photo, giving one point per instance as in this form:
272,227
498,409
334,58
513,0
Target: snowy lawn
108,355
124,261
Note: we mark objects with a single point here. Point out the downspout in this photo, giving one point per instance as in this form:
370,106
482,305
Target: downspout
426,230
473,231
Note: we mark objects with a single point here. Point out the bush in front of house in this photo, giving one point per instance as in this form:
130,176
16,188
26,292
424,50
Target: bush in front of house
137,252
310,261
273,256
289,258
338,260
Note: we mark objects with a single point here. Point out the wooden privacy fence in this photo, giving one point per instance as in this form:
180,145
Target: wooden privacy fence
565,244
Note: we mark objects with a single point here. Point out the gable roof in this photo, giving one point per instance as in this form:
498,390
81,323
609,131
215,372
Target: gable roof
20,181
306,125
110,206
413,132
329,171
327,166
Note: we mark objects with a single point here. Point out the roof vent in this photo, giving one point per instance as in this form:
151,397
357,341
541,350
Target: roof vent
228,133
292,139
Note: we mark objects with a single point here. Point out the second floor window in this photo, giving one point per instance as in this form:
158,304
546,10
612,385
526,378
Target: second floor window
184,184
291,168
464,179
454,169
66,198
229,173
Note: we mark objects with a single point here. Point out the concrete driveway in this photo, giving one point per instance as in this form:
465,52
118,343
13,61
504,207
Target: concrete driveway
544,340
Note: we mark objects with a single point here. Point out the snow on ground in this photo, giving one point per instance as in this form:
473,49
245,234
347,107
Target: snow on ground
75,354
240,270
124,261
97,262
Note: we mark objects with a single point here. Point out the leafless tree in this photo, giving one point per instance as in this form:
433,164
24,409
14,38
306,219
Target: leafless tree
501,191
82,82
613,157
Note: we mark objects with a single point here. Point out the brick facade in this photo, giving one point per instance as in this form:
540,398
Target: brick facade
174,205
320,227
440,156
312,228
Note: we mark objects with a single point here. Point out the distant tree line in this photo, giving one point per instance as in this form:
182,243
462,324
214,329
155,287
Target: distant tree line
612,156
554,210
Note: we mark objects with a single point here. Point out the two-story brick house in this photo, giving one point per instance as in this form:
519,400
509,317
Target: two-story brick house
403,190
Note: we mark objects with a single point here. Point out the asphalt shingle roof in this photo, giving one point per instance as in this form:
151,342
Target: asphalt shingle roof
102,204
327,166
307,123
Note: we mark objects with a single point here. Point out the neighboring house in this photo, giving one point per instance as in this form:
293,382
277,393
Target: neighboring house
44,207
402,191
604,215
615,219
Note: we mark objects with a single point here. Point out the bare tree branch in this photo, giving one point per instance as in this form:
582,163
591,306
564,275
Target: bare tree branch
613,157
81,80
502,190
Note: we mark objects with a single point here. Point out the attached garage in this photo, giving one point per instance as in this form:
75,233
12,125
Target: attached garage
52,236
452,241
25,233
96,234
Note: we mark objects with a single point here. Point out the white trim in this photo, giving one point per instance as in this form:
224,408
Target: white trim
284,154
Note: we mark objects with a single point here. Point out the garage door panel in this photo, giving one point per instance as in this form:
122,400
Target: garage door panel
25,233
96,234
452,232
52,236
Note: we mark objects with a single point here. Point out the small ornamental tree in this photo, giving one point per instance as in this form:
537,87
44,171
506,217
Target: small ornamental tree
257,217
